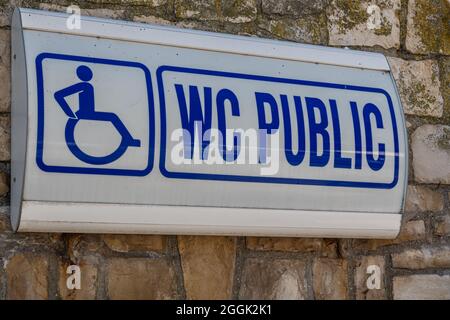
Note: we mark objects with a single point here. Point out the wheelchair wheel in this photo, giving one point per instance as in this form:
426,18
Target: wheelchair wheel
81,155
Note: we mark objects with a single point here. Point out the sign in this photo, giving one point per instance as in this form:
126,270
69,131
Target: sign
109,130
132,128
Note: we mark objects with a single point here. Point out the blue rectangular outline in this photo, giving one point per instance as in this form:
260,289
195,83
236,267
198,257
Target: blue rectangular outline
40,123
260,179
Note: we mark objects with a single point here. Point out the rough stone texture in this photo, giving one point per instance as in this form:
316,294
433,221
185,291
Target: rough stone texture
101,13
89,281
4,184
273,279
412,230
299,29
4,221
431,154
5,138
360,23
294,8
11,242
444,71
203,25
4,18
234,11
203,10
208,266
127,243
442,227
150,3
361,277
422,287
6,10
409,231
5,71
434,257
79,246
27,277
419,86
141,279
330,279
325,247
421,198
427,27
152,20
239,11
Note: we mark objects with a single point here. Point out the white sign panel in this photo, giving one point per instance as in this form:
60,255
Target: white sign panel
122,127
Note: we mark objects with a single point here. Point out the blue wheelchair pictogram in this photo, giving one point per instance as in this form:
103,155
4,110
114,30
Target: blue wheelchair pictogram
106,96
86,111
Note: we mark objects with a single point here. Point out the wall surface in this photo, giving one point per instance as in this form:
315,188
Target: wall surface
414,34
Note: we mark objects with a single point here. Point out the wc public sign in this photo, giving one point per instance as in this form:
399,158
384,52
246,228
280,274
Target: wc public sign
132,128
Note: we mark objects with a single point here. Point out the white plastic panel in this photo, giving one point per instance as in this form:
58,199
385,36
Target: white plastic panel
105,103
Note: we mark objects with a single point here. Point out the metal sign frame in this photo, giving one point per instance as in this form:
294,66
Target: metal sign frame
64,216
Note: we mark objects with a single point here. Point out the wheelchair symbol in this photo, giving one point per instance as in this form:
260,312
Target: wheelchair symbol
87,111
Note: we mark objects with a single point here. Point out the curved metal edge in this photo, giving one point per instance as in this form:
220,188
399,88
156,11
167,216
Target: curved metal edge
85,217
19,117
51,21
405,135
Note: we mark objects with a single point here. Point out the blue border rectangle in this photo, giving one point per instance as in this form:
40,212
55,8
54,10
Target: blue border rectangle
40,122
260,179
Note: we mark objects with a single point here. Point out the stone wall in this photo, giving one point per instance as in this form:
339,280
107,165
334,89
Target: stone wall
414,34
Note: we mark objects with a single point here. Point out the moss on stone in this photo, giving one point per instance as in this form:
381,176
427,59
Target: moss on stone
241,10
353,14
385,28
201,10
443,142
431,24
278,29
319,30
299,30
236,11
417,96
218,6
444,72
